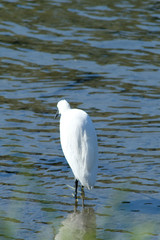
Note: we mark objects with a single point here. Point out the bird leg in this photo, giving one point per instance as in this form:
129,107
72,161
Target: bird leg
76,187
82,195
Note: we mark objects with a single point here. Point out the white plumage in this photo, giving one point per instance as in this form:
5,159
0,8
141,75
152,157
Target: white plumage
79,143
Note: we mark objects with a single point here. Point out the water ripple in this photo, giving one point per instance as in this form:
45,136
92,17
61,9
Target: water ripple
104,58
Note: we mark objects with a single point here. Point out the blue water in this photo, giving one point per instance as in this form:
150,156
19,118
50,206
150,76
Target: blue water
102,57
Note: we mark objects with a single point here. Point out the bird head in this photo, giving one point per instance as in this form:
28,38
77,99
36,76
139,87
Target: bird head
62,106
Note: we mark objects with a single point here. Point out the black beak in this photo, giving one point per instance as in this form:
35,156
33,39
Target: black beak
57,114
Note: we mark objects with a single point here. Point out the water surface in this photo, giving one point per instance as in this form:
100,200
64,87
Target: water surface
102,57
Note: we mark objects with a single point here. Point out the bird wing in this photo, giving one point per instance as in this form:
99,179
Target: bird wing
79,145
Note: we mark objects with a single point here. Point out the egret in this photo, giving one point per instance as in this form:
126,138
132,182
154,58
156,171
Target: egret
79,144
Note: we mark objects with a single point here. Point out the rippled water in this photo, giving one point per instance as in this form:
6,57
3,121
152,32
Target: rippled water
103,57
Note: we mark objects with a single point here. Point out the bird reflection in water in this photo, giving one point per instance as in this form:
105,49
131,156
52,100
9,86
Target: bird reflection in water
78,226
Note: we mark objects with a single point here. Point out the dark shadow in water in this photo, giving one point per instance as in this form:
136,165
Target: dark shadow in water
78,226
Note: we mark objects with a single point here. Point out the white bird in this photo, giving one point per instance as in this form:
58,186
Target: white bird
79,144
